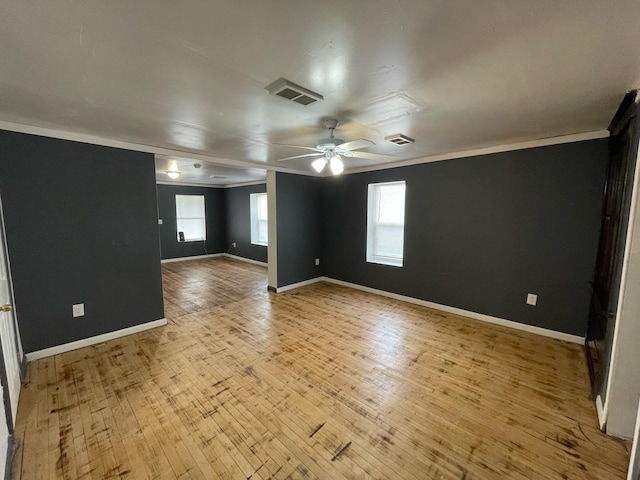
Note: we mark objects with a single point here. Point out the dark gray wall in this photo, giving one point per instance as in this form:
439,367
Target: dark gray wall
482,232
298,200
215,208
239,222
81,228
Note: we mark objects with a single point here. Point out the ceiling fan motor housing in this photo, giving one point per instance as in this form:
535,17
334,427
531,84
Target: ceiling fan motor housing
331,123
329,143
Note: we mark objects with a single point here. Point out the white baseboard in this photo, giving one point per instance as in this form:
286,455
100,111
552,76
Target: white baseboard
602,417
194,257
212,255
85,342
300,284
248,260
456,311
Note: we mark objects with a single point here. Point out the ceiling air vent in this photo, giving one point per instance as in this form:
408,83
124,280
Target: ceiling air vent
399,139
290,91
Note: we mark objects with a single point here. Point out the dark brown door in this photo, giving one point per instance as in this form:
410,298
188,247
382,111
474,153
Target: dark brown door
608,272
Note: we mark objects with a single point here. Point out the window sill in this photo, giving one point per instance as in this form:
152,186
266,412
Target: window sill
389,263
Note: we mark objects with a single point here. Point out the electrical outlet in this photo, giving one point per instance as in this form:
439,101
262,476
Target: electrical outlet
159,221
532,299
234,245
78,310
317,261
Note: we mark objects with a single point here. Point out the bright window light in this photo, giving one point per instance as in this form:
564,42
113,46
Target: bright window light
190,218
385,223
259,219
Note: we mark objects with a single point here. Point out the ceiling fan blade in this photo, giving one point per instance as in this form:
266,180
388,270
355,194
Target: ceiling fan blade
319,154
356,144
371,156
295,146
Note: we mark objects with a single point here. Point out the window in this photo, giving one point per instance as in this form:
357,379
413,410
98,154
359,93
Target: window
385,223
259,219
190,218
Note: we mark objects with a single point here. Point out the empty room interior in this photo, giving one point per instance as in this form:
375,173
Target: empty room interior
320,240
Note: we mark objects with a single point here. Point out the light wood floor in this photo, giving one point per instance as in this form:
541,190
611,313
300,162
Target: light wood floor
319,382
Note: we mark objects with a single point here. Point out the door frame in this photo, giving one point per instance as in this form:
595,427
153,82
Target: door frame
17,339
8,418
4,378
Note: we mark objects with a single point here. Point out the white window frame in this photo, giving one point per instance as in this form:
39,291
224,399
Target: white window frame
202,218
373,210
254,200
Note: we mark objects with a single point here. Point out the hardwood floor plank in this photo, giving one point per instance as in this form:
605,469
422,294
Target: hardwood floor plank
318,382
246,450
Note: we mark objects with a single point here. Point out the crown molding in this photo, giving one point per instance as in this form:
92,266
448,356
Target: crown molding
97,140
543,142
139,147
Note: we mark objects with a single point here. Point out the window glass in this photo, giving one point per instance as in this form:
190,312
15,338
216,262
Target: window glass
385,223
190,218
259,219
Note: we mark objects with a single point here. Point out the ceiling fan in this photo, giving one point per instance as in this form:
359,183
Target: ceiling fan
331,150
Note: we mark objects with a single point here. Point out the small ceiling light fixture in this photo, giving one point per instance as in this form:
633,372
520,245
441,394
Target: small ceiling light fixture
173,171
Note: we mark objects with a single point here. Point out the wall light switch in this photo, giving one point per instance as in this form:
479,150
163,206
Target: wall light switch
532,299
159,221
78,310
317,261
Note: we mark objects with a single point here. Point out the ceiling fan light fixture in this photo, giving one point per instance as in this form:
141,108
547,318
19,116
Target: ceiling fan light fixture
337,167
319,164
333,149
173,174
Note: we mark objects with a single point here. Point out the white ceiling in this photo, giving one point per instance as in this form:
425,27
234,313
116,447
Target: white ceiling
190,78
205,173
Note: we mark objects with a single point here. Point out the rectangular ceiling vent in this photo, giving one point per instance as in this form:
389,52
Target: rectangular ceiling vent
290,91
399,139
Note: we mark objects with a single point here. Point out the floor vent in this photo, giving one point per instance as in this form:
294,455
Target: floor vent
399,139
290,91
